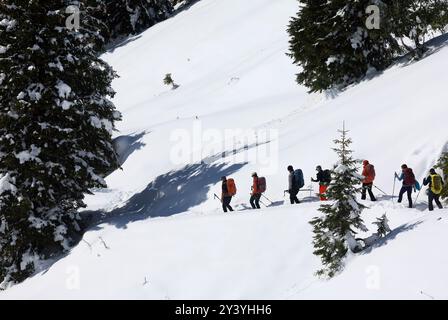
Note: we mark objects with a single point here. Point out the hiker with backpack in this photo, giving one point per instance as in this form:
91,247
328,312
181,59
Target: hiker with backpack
295,183
435,186
324,179
228,191
258,187
368,173
409,183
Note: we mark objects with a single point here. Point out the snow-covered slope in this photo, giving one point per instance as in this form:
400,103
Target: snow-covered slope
164,236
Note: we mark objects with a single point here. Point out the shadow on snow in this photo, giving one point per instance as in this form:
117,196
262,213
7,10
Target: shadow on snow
391,236
127,145
169,194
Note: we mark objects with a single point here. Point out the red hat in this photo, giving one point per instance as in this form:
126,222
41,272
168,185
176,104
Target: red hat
365,162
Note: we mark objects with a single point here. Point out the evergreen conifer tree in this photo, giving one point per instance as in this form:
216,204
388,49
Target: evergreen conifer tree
126,17
383,226
415,19
443,165
168,80
333,46
334,231
56,121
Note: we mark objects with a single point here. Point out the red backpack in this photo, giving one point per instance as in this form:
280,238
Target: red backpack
371,172
261,184
409,177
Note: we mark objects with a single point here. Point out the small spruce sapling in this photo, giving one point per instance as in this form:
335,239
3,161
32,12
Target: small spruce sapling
168,80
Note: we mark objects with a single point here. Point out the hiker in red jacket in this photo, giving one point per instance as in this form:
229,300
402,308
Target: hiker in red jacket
256,193
408,178
369,176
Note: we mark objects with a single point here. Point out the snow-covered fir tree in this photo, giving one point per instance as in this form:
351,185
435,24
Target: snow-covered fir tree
56,121
332,44
416,20
443,165
168,80
182,3
382,225
334,231
126,17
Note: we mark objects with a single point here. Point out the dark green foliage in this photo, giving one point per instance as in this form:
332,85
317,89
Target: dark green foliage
416,19
443,165
126,17
334,231
383,226
55,128
168,80
333,46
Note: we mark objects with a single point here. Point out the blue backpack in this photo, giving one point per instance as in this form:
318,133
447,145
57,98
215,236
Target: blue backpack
298,177
418,187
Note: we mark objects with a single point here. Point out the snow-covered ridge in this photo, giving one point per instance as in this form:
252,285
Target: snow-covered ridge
166,237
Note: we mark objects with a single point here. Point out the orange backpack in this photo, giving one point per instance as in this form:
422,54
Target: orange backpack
231,187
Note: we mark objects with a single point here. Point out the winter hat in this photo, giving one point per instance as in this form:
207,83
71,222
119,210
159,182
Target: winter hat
290,168
404,166
254,174
365,162
318,168
432,171
223,178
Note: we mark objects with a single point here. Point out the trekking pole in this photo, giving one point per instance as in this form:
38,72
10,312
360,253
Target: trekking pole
380,190
418,194
216,197
267,198
263,203
393,191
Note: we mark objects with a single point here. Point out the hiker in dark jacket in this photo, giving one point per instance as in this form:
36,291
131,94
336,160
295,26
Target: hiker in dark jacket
408,178
226,198
324,179
293,188
433,193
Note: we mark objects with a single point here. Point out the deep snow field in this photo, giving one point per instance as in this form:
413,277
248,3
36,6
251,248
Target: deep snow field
160,234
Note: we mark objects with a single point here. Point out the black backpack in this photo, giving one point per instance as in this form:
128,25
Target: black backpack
326,176
298,179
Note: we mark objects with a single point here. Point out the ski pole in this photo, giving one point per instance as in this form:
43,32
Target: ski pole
267,198
380,190
393,191
418,194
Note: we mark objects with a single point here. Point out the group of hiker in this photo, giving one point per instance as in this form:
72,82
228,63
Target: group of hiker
296,182
434,182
